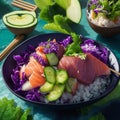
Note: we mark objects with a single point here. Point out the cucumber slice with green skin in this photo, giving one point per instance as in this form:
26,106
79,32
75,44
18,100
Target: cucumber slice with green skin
52,59
71,85
47,87
56,92
50,74
61,76
20,19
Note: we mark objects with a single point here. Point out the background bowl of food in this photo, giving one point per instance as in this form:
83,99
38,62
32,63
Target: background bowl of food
54,71
104,17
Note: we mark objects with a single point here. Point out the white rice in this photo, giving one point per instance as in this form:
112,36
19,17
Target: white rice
103,21
84,92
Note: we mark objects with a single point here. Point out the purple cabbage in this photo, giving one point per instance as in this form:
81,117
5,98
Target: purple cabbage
66,41
24,57
49,47
39,59
90,46
33,95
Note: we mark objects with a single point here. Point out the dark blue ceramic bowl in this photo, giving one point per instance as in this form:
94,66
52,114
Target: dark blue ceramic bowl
9,64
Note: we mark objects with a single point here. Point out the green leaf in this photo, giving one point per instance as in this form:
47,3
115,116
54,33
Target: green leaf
74,47
63,3
59,24
9,111
26,115
54,27
43,3
49,12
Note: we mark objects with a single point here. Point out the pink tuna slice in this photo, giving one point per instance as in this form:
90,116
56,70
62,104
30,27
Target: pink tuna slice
84,70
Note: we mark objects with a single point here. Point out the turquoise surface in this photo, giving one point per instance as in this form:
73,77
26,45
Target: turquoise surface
83,28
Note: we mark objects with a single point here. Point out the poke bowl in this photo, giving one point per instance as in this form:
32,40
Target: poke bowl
103,17
45,70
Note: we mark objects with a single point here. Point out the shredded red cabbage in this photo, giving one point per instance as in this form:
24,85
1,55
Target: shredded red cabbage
49,46
39,59
90,46
66,41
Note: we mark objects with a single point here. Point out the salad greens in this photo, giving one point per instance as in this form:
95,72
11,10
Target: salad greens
43,3
108,8
59,24
9,111
59,14
74,47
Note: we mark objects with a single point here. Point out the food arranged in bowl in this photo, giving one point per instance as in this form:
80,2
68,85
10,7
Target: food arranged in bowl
104,16
20,22
60,69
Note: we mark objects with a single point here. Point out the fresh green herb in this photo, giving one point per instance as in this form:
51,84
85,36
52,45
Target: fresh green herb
9,111
74,47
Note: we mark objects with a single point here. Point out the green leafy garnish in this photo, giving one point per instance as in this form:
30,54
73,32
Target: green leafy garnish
74,47
9,111
59,24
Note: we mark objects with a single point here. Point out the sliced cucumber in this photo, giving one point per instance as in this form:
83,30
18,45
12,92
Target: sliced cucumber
61,76
55,93
52,59
20,19
71,85
50,74
47,87
68,88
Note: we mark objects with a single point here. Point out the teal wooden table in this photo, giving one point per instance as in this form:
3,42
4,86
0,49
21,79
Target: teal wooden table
83,28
